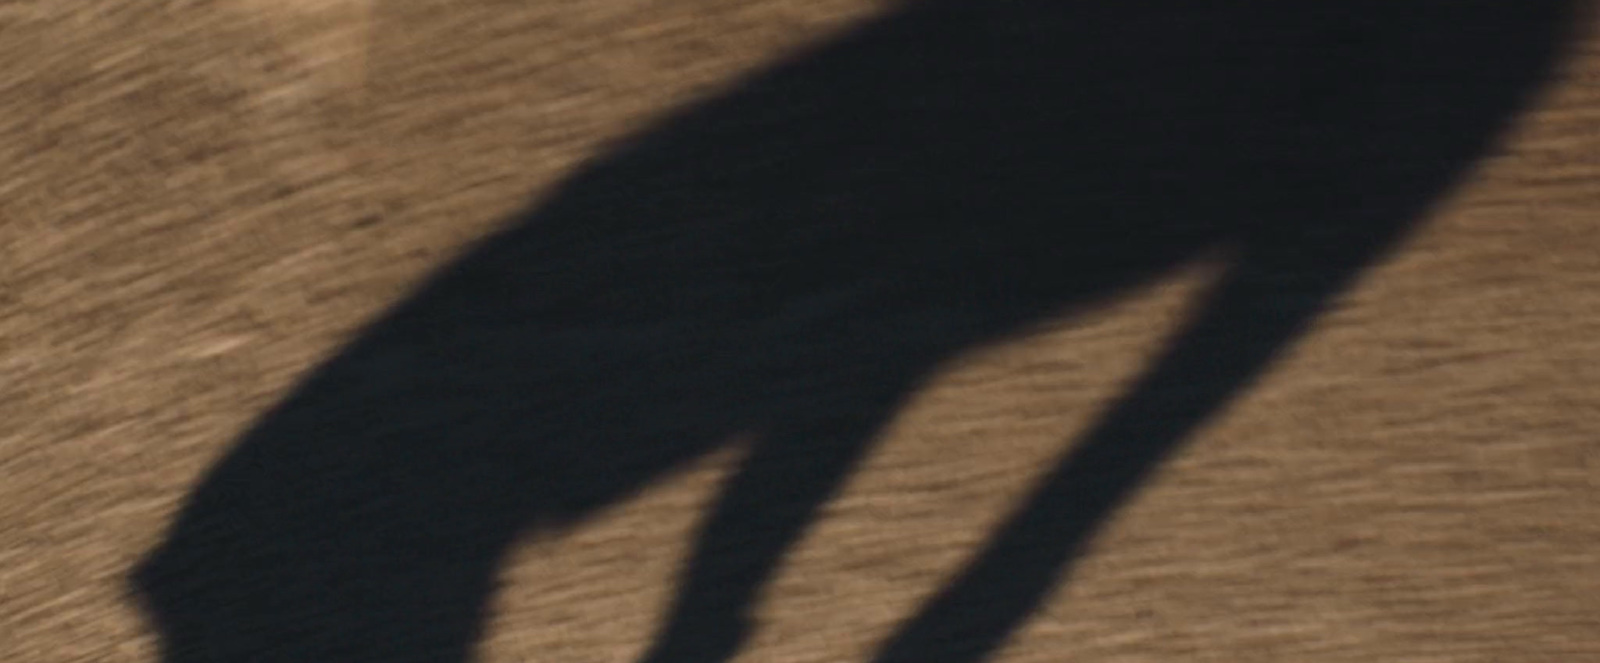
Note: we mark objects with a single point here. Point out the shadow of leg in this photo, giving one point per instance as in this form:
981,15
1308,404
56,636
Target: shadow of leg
762,511
1253,314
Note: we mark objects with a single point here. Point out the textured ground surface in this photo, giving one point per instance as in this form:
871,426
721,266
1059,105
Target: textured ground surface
200,200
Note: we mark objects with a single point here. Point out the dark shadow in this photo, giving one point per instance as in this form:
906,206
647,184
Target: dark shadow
792,258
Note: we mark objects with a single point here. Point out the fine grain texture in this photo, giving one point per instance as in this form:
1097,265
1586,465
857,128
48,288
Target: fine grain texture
204,204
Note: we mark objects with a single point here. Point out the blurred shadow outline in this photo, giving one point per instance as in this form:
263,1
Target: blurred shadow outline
794,257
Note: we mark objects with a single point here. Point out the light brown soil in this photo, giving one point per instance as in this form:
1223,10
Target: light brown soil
186,189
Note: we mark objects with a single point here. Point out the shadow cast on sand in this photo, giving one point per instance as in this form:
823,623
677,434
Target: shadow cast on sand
792,258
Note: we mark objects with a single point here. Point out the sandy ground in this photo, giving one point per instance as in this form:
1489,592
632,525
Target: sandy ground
202,199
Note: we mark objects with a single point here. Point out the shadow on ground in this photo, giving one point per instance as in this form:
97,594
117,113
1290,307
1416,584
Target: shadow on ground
791,259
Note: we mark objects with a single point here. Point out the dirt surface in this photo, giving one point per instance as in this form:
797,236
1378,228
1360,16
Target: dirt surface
200,201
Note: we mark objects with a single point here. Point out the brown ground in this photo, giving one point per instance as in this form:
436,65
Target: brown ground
185,189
